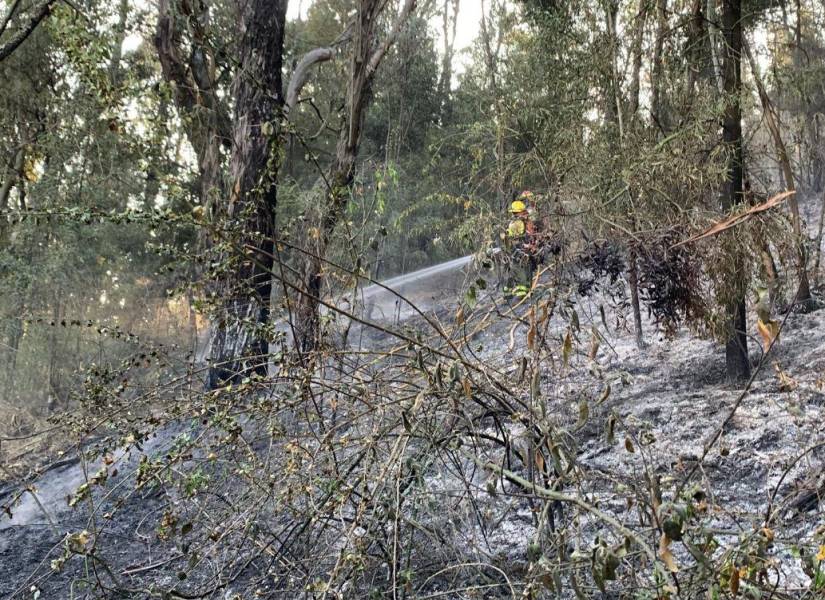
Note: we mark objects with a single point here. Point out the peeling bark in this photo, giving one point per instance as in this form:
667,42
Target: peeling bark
194,86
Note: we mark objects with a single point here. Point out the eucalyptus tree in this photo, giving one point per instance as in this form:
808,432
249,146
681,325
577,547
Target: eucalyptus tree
368,50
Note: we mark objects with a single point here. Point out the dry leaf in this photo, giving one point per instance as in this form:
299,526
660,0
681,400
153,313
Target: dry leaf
540,461
666,555
628,445
605,394
786,382
595,342
733,585
567,348
768,332
512,337
584,413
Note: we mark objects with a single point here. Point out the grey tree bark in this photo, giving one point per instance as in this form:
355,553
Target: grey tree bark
25,30
448,32
191,74
656,108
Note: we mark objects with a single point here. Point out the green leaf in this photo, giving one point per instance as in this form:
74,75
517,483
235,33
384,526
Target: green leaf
471,297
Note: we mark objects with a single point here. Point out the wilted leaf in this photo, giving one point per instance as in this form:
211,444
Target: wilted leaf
522,369
733,584
471,297
539,458
567,348
405,419
468,388
738,218
786,382
512,343
605,394
628,445
535,385
419,400
610,428
454,371
768,331
584,413
666,555
595,343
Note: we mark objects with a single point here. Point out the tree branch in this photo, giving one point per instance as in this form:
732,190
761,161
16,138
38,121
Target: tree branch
301,74
378,55
21,36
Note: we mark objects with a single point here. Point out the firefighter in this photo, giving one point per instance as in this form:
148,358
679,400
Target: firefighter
521,239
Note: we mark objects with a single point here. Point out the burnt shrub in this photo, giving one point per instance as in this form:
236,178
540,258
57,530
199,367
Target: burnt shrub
670,280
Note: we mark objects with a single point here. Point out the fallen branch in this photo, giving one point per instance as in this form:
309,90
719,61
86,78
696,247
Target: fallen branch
737,219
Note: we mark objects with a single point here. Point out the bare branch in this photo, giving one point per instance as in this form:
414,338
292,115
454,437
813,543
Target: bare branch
378,55
301,74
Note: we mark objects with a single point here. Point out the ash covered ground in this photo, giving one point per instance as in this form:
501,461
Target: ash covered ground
664,404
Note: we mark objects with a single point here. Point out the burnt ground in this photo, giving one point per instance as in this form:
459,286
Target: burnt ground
669,398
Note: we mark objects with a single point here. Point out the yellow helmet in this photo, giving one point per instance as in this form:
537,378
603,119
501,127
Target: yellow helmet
518,206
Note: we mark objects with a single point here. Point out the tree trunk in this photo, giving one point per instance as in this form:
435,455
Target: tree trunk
11,177
366,58
633,280
239,338
736,348
818,244
656,75
491,60
194,85
636,53
445,78
613,114
803,296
